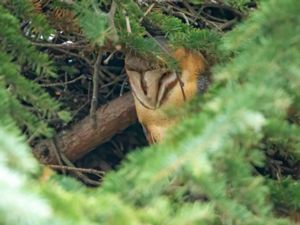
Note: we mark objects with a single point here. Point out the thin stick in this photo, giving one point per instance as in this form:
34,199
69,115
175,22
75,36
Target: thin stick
83,170
111,15
79,174
106,61
127,22
185,18
63,83
94,100
74,54
159,44
123,86
57,153
75,45
147,12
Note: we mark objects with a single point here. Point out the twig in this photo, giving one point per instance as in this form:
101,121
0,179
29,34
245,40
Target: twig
116,80
185,18
83,170
75,55
89,91
127,22
57,153
110,92
147,12
32,136
106,74
196,16
106,61
63,83
189,7
74,113
94,101
110,16
228,24
125,81
225,7
118,149
79,174
63,45
159,44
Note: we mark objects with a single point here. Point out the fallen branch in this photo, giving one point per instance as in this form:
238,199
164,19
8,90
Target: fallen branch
83,137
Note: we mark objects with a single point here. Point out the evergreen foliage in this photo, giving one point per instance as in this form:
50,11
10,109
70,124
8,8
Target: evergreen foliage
26,10
22,94
180,34
92,22
239,4
206,172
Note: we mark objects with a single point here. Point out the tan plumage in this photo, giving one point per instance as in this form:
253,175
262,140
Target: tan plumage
157,89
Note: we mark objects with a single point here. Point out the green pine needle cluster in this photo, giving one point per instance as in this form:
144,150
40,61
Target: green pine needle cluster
24,10
180,34
18,53
238,4
206,171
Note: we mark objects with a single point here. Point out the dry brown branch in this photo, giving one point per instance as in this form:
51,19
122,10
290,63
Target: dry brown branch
94,101
83,170
110,16
63,83
83,137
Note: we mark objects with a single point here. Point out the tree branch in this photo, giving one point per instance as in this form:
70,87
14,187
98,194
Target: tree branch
83,137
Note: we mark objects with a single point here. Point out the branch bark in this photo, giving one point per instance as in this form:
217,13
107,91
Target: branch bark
83,136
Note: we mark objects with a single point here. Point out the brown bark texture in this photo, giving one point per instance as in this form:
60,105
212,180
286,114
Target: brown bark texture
85,135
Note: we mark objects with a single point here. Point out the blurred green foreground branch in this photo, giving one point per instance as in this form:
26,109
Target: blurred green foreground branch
207,172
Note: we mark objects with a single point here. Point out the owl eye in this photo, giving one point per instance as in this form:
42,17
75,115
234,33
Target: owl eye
167,73
166,83
203,83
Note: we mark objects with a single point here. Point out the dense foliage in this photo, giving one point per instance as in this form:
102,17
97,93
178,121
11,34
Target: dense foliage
210,170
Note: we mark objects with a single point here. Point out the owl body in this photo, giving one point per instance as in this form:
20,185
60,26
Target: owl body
163,91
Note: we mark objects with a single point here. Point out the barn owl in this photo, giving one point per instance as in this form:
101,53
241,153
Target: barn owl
157,89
